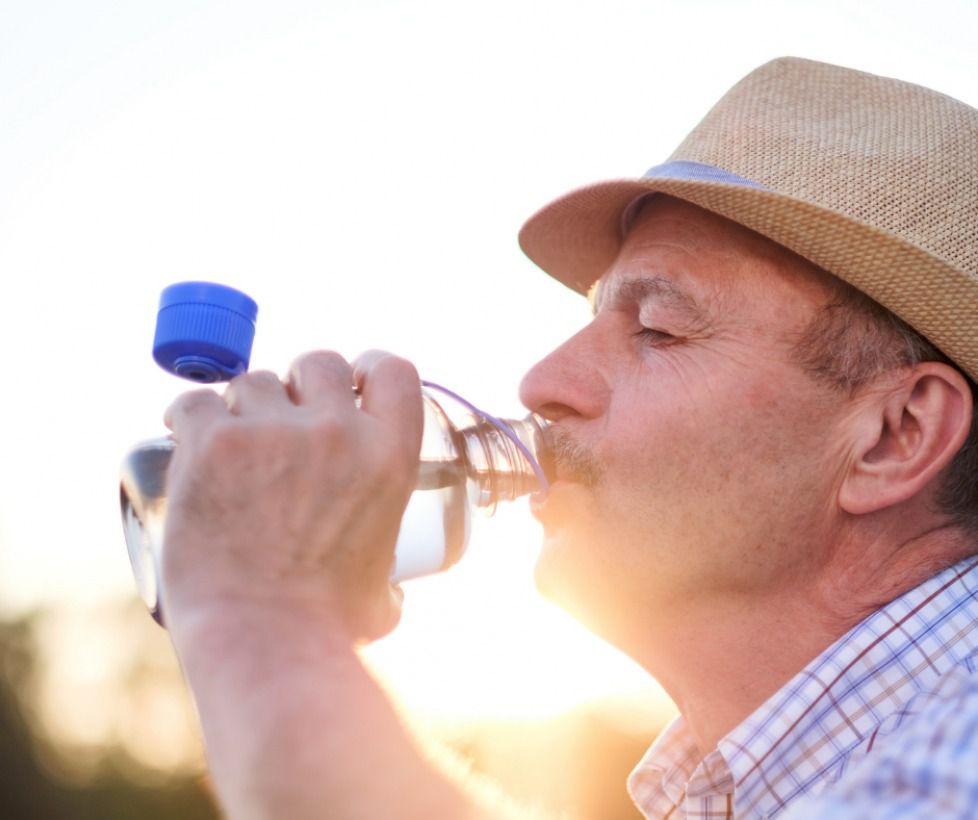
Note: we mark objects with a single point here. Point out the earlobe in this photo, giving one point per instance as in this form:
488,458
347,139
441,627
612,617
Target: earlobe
907,434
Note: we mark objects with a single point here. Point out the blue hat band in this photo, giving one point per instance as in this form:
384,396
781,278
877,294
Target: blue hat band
688,171
698,172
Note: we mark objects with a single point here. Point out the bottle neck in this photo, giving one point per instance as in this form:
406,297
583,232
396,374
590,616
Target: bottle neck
501,467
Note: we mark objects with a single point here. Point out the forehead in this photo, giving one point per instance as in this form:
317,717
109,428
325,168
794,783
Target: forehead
685,257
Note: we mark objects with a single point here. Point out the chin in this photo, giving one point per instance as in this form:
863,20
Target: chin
546,575
567,575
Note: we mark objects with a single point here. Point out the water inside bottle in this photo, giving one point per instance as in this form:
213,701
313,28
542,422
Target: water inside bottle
142,493
435,525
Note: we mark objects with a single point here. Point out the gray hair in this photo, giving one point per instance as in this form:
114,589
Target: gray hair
851,341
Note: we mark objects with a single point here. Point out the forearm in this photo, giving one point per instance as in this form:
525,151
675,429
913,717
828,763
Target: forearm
295,726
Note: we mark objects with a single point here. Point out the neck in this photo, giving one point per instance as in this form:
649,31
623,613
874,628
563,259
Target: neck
722,664
721,658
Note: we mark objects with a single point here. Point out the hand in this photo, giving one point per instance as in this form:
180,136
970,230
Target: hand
287,497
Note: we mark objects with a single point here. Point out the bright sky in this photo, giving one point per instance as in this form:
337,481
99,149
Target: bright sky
361,169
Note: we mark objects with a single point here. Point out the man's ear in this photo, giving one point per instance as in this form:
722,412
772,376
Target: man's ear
908,434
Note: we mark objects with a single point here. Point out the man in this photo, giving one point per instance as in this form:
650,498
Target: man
765,484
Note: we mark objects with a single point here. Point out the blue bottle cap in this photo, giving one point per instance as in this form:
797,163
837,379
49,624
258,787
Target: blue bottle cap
204,331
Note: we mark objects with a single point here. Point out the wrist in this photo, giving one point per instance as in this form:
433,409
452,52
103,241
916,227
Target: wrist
205,593
257,633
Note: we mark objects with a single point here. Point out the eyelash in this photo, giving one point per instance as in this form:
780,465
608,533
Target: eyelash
653,337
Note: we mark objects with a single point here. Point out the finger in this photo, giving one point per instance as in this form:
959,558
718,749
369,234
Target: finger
192,412
324,380
390,390
258,392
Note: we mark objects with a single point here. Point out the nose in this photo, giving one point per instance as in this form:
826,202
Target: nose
570,381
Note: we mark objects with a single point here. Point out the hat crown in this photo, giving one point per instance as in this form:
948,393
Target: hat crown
887,153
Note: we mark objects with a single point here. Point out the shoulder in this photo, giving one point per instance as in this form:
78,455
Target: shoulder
923,762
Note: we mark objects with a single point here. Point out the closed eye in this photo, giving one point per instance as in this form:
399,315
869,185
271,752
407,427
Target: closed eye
653,337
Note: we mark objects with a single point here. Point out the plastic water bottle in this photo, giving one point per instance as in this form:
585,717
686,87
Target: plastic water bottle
204,333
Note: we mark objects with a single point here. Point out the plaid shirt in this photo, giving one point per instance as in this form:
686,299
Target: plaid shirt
882,724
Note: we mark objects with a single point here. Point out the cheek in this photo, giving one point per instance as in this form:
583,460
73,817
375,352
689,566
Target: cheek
701,464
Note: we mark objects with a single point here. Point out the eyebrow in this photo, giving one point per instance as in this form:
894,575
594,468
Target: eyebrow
640,288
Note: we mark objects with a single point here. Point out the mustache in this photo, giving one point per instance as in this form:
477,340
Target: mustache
572,460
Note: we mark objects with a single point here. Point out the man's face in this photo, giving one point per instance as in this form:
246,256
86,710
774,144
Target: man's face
695,459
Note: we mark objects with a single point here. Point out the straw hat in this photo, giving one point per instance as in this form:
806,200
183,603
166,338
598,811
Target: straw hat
870,178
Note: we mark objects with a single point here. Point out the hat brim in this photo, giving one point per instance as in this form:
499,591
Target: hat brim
577,237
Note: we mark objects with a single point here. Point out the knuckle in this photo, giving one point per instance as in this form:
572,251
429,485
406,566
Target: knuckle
262,380
381,366
251,391
193,400
373,355
321,359
187,407
315,370
396,367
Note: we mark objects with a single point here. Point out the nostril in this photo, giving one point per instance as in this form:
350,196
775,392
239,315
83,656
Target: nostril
555,411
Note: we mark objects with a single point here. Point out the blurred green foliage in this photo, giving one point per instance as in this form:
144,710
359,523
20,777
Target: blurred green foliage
29,789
